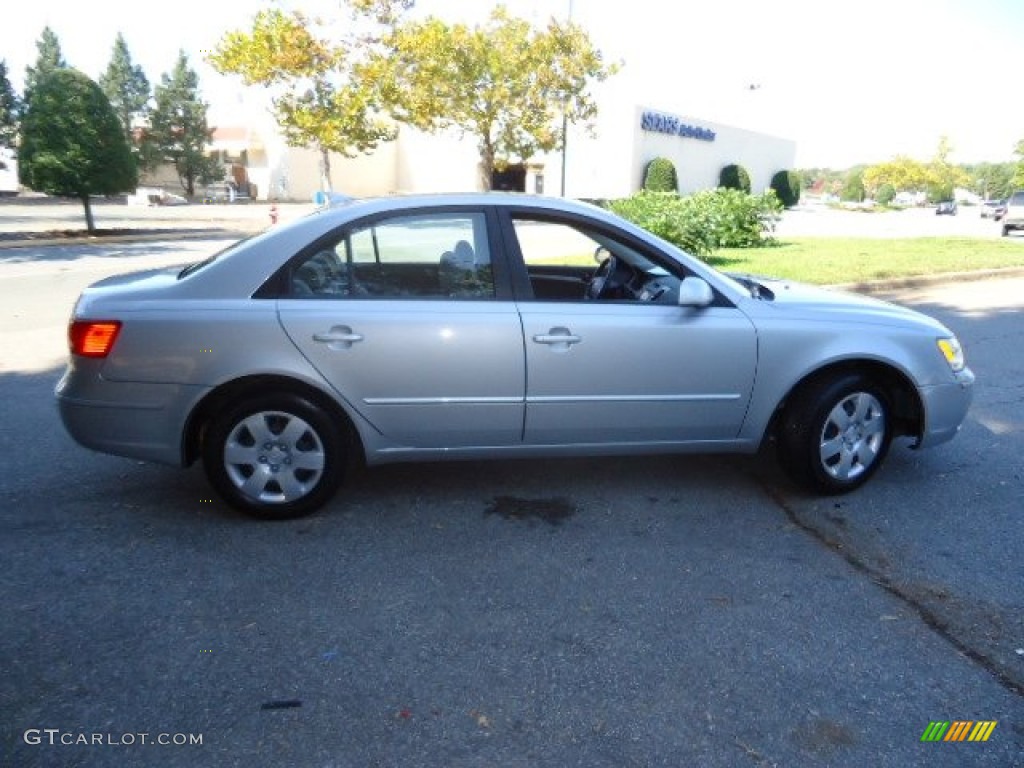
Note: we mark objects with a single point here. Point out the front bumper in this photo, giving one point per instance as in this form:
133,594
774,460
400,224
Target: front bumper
945,408
138,420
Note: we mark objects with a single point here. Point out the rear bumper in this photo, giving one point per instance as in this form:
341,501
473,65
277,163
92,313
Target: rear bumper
136,420
945,408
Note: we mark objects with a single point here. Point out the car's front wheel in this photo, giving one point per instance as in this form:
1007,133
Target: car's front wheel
274,456
836,433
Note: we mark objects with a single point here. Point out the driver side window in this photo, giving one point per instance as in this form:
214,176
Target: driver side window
567,262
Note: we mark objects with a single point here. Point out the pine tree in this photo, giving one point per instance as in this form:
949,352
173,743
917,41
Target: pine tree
125,85
48,59
71,141
178,131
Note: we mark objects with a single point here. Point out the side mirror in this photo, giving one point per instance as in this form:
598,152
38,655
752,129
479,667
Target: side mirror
695,292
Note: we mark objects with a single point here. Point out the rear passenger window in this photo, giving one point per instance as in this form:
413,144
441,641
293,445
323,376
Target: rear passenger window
421,256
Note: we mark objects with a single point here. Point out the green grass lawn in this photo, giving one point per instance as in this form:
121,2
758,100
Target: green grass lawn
852,260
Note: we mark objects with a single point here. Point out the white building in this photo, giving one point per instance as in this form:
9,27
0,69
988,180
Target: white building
607,162
8,172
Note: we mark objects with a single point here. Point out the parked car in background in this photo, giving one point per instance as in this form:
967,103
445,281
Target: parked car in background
946,208
1013,214
993,209
490,326
225,192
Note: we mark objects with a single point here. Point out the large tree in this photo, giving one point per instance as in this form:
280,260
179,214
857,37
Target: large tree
71,141
903,174
944,176
178,130
9,106
504,82
48,59
317,101
125,85
993,181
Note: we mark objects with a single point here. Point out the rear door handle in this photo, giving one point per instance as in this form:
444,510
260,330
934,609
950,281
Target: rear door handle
559,338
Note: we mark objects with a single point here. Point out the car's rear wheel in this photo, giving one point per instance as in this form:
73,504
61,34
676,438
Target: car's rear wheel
274,456
836,433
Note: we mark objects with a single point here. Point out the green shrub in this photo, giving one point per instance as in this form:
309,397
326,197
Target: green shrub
660,176
704,221
885,194
787,186
734,177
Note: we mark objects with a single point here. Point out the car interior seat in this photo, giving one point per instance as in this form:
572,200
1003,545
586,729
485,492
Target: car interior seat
457,270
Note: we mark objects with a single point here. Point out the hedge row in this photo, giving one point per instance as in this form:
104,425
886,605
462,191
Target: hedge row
704,221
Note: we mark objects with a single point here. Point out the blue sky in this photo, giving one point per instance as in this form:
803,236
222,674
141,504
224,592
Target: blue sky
850,82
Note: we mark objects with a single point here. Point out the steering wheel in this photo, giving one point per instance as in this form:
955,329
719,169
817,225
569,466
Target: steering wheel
602,281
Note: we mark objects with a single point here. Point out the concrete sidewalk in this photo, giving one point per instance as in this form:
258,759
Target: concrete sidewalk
45,221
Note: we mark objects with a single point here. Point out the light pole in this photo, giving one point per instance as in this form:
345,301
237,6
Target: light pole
565,124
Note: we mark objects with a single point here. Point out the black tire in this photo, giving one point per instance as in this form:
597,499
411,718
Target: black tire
275,456
814,449
1006,231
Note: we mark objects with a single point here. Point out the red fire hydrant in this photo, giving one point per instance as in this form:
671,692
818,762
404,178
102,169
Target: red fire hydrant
273,215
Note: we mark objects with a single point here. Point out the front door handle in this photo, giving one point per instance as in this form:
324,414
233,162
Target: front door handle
339,337
558,338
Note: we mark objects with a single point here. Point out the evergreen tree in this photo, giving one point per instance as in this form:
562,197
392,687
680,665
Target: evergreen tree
48,59
178,131
8,109
71,141
125,85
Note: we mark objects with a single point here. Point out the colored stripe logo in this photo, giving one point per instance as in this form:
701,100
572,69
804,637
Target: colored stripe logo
959,730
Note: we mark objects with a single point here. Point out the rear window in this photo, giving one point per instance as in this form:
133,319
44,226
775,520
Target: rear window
193,268
1017,199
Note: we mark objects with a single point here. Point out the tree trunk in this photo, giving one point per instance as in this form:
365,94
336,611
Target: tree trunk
486,166
90,225
325,170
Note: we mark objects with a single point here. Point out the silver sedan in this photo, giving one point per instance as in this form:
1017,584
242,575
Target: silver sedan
489,326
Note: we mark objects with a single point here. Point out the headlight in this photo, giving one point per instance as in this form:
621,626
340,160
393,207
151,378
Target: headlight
953,353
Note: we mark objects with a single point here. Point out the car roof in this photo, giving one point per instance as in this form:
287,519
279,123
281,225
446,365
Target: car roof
356,207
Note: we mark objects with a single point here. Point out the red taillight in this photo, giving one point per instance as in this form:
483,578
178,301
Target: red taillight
91,338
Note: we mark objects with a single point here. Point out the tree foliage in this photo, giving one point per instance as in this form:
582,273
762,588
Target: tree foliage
178,131
660,176
48,59
503,82
853,186
944,176
734,177
9,106
71,141
1018,175
903,174
993,181
939,177
125,85
318,101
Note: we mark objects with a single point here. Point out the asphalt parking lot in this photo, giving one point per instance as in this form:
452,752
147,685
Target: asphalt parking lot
602,612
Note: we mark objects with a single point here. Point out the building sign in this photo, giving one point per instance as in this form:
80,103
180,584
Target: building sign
658,122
